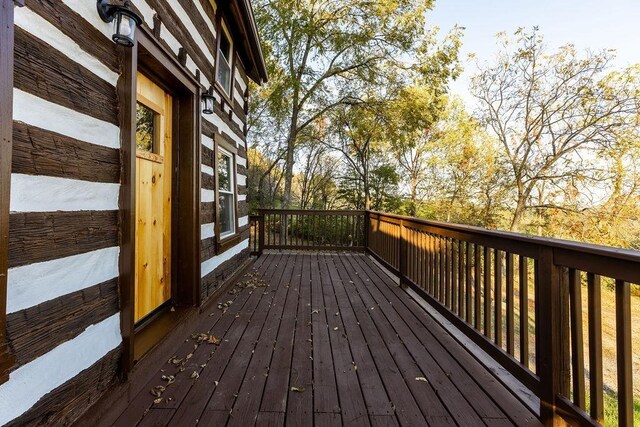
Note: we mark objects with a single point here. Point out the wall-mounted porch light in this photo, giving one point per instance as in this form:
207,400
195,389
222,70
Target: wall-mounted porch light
124,21
208,101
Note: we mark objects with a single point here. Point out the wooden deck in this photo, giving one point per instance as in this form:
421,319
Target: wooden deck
322,339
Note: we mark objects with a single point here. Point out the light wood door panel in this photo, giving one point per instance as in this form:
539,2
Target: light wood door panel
153,201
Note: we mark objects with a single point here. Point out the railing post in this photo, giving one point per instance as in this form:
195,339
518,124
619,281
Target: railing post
402,254
367,228
550,364
261,232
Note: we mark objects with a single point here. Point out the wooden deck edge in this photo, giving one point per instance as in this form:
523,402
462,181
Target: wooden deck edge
108,408
227,284
520,391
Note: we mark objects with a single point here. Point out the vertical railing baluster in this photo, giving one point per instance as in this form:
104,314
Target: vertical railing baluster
469,283
477,287
461,294
429,265
487,292
261,230
596,386
454,276
623,353
443,273
510,294
402,250
447,271
577,340
523,271
497,297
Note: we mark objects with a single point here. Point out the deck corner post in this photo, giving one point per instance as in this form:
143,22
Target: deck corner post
549,334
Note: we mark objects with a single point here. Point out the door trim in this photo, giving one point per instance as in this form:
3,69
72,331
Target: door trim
158,63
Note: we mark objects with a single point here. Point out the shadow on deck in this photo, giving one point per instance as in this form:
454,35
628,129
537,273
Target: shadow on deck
322,339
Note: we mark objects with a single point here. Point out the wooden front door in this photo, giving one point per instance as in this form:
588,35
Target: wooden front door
153,198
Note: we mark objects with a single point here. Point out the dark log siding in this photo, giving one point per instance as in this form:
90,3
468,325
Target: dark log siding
207,181
200,24
74,26
243,208
207,248
212,281
180,32
35,331
207,156
38,236
40,152
66,403
207,212
47,73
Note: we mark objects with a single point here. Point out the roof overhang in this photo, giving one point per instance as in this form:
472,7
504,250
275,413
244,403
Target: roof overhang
241,13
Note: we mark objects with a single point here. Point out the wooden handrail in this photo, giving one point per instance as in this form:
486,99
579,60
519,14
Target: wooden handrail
518,297
470,275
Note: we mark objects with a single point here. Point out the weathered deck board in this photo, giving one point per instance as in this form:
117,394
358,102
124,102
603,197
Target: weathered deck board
349,340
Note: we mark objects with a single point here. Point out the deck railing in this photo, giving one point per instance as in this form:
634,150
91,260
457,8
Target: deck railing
317,230
519,298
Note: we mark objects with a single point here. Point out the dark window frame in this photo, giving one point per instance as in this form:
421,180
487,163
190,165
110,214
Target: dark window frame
227,242
221,25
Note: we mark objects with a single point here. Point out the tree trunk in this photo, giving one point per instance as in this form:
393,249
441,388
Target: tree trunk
518,214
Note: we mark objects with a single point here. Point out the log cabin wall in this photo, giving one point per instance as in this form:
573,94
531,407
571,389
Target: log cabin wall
63,319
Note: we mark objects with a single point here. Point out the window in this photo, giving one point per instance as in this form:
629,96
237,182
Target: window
223,64
146,129
226,194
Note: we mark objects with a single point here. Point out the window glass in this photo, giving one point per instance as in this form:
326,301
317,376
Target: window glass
225,46
224,172
227,220
146,121
226,193
223,66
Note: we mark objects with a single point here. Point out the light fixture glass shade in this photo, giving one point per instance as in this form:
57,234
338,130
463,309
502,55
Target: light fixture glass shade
124,19
207,103
124,28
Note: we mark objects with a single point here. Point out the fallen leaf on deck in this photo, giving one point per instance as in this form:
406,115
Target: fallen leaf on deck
194,375
157,390
335,329
158,400
423,379
213,340
315,311
297,389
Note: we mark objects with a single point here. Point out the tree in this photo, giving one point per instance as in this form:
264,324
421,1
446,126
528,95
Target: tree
316,180
551,112
412,120
357,133
326,51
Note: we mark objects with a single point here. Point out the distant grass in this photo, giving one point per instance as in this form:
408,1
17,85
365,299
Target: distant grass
611,409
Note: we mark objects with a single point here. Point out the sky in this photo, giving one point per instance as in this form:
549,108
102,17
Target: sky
588,24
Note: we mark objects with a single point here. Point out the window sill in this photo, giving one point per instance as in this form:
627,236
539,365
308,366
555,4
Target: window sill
227,243
223,93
